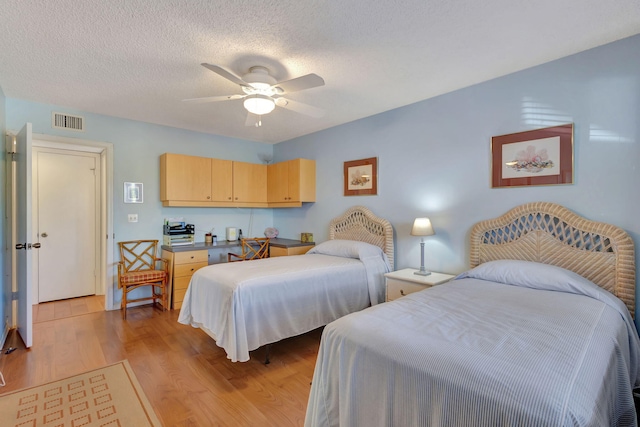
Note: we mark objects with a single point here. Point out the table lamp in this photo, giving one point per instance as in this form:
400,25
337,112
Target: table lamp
422,227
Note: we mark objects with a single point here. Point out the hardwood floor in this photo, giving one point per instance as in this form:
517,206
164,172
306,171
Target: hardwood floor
66,308
187,378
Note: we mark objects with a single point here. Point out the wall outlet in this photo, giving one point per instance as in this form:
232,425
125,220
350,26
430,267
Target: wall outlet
133,217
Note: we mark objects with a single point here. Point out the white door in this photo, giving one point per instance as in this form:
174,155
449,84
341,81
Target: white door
67,223
23,234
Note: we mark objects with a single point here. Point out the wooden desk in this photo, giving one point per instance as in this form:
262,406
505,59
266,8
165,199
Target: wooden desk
185,260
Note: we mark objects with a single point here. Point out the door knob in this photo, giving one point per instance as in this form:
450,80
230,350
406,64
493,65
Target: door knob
43,235
36,245
21,246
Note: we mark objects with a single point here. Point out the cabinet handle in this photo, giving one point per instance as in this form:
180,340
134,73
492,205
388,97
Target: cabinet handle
208,197
192,269
402,292
229,198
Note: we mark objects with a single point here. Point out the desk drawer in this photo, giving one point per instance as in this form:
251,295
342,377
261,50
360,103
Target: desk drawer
178,296
180,270
181,283
275,251
398,288
191,256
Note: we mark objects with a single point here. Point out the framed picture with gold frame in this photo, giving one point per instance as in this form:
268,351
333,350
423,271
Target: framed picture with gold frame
535,157
361,177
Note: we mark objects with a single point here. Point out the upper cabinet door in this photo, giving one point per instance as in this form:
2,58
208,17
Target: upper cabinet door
278,182
185,178
305,184
221,180
292,181
249,182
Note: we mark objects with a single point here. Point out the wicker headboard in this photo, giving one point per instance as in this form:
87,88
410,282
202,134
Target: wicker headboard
359,223
551,234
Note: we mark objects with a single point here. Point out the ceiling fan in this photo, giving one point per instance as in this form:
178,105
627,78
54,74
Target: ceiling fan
262,93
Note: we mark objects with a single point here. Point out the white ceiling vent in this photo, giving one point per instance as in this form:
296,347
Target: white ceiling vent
66,121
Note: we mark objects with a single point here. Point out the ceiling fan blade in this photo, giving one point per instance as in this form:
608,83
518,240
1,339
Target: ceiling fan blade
253,120
213,99
299,107
224,73
300,83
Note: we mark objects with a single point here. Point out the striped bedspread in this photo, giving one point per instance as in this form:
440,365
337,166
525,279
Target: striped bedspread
478,352
244,305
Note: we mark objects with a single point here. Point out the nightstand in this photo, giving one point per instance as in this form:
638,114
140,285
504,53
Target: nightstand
403,282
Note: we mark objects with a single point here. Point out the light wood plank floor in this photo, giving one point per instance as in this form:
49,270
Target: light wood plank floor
187,378
46,311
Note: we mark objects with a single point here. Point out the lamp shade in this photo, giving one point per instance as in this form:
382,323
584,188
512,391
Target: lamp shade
259,104
422,227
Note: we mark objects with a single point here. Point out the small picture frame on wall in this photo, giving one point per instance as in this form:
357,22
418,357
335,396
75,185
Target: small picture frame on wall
133,192
535,157
361,177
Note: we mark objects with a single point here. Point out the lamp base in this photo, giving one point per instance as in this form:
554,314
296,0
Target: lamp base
422,272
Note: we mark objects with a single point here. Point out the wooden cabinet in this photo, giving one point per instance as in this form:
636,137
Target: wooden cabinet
249,183
277,185
190,178
221,180
206,182
291,183
194,179
275,251
404,282
182,265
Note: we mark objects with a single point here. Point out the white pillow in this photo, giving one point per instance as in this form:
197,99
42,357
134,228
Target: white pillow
531,275
346,249
546,277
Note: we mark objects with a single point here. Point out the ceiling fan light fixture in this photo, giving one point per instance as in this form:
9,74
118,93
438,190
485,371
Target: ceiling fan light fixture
259,104
260,86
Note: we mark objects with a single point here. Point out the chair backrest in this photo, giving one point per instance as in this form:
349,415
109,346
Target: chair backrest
255,248
138,255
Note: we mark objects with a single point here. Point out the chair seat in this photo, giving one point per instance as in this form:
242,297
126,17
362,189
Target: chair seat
143,276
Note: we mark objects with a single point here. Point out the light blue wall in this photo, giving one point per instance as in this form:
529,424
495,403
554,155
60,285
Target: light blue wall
434,156
137,149
5,293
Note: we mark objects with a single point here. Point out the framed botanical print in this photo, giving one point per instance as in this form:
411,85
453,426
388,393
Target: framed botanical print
535,157
361,177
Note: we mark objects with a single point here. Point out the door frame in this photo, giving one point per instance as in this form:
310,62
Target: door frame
106,276
35,212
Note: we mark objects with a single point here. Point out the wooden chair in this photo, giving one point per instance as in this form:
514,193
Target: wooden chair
253,248
138,267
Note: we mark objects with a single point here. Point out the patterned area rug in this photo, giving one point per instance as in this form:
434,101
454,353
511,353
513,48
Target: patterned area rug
109,397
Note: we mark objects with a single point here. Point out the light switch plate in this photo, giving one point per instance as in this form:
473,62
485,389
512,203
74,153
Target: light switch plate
133,217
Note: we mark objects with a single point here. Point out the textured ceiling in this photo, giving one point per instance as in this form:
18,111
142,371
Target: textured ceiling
138,59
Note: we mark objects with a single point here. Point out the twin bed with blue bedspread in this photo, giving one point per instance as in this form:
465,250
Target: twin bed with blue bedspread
538,332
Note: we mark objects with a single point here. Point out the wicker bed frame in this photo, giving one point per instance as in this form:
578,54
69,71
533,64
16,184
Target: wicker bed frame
359,223
551,234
